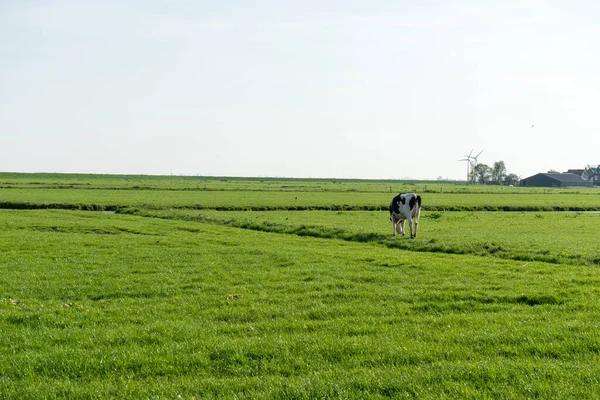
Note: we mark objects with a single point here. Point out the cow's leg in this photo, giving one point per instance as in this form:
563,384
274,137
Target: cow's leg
401,222
417,216
394,222
410,226
416,225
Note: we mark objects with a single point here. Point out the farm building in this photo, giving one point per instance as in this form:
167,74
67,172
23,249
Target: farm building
595,175
578,172
555,179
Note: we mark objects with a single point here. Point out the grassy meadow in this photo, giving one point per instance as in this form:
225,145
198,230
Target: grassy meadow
294,289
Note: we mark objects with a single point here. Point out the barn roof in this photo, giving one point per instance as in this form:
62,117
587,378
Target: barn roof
575,171
552,179
564,177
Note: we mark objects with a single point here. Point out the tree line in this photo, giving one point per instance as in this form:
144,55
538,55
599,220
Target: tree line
483,174
496,175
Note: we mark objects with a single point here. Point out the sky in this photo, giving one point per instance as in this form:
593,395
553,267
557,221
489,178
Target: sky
377,89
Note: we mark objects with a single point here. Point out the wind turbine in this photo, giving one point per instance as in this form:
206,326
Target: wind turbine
471,162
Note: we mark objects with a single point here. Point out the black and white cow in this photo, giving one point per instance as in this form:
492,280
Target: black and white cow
405,206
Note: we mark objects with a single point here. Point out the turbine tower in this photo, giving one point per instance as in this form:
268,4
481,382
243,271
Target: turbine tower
471,162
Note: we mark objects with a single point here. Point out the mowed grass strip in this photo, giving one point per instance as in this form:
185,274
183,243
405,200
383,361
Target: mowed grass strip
555,237
256,200
94,305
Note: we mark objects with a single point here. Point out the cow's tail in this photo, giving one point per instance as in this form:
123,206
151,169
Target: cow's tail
419,201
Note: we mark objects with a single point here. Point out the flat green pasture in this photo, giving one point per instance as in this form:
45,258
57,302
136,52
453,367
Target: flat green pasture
273,184
98,305
171,182
557,237
112,192
218,287
113,199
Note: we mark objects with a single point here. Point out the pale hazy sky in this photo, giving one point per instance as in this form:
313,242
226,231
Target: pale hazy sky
312,88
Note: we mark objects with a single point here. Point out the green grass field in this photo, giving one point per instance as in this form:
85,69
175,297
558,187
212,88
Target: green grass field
113,192
167,300
557,237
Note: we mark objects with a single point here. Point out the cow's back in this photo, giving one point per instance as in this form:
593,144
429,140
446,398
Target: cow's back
406,203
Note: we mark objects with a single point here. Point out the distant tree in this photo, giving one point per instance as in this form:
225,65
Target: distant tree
498,172
481,173
512,179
